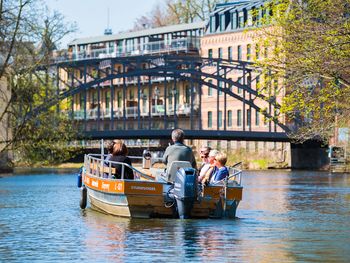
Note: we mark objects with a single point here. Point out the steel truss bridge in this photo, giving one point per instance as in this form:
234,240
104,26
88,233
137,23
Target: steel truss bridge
143,71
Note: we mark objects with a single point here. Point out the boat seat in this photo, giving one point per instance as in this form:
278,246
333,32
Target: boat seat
174,166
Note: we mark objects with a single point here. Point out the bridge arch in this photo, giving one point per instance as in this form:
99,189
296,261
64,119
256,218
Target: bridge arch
184,68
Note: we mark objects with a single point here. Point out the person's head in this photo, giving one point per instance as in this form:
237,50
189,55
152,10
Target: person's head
119,148
204,152
178,135
211,156
220,159
110,146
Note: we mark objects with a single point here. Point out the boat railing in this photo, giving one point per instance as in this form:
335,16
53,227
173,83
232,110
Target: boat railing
95,164
235,173
235,176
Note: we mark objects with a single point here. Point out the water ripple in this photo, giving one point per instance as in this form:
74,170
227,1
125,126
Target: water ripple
284,217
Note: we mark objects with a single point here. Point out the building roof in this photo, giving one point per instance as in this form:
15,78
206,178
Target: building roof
146,32
236,5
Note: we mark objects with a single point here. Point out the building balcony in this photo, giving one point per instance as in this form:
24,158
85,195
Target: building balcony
132,112
188,44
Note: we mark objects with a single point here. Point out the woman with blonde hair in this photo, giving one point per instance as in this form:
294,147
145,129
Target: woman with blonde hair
222,171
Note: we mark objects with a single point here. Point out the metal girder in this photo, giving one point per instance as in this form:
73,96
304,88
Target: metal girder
187,68
190,134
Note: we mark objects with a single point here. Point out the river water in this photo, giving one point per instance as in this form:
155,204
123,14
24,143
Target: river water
284,217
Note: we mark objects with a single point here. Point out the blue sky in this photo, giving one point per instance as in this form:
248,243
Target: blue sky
91,15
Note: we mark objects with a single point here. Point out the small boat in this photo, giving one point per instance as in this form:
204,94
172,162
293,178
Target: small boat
155,193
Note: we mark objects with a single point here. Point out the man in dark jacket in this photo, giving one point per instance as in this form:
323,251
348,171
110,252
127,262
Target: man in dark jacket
178,151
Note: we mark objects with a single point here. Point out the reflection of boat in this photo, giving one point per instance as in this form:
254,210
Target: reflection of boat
154,193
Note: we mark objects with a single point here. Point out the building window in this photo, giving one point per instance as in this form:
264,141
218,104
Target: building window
240,81
241,19
234,20
266,51
229,118
249,117
250,17
82,101
108,100
239,118
257,118
220,52
94,100
229,53
275,83
220,86
210,89
210,119
222,22
212,24
239,52
119,99
249,50
257,51
188,94
210,53
131,94
220,118
257,85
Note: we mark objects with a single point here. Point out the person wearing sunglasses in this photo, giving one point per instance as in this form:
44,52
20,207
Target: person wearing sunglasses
205,178
204,154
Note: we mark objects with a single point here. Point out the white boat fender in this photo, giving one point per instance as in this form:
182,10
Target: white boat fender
83,197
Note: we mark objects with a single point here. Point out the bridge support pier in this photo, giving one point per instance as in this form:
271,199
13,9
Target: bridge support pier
311,155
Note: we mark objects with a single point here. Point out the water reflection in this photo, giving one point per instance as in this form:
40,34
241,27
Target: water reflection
284,217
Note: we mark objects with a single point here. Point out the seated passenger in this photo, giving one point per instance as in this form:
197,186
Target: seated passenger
205,178
222,171
204,154
119,155
178,151
109,147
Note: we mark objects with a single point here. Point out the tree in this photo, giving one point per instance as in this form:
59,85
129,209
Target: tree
308,43
28,36
173,12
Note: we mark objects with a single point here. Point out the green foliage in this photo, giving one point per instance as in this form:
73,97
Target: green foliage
308,46
254,160
28,36
172,12
45,140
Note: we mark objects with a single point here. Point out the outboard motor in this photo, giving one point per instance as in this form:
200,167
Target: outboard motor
185,191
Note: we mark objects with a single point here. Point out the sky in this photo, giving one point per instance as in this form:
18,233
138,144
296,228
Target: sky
91,15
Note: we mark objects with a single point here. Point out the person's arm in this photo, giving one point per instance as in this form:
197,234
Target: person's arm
223,173
193,162
165,156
